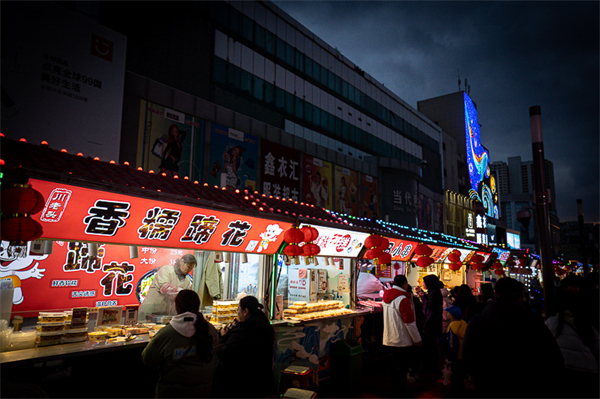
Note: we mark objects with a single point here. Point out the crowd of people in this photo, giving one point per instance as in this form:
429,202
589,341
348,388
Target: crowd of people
495,343
194,361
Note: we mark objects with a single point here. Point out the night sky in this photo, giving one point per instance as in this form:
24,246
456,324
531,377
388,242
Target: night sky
513,54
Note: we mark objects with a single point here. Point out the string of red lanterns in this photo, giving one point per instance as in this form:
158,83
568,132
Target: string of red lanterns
423,252
17,204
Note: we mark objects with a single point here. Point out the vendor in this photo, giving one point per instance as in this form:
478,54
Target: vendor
368,283
167,283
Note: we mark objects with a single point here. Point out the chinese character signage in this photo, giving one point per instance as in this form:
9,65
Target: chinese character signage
170,141
63,81
233,158
437,254
401,249
346,191
72,277
317,182
369,196
280,171
337,242
80,214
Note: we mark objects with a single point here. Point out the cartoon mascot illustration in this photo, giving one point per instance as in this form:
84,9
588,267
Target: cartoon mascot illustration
273,231
17,264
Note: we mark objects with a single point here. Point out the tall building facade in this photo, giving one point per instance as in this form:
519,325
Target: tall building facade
258,101
515,180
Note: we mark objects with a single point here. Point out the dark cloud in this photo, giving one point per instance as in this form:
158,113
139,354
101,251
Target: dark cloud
514,54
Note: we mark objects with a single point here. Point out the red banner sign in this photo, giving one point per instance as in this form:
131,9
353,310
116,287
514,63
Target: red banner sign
81,214
401,249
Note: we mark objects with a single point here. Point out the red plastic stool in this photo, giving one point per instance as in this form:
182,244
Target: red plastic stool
295,393
296,377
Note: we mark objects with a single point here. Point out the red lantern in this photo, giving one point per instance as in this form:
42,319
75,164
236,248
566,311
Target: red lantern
454,257
423,250
454,266
20,228
476,259
310,233
396,266
499,272
497,265
21,198
293,236
384,259
374,253
373,241
477,266
311,249
424,261
385,244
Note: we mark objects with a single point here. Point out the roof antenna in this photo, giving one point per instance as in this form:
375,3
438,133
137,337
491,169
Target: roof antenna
459,80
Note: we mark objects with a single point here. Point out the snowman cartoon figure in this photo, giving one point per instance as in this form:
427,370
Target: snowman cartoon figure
17,265
270,235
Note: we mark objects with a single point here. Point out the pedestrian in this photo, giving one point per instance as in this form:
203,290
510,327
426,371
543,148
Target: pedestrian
432,326
400,332
420,319
466,302
577,338
446,303
457,328
168,281
487,294
245,354
184,351
517,342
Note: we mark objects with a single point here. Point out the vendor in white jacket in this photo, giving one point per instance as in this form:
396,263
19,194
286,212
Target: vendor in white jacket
400,332
167,283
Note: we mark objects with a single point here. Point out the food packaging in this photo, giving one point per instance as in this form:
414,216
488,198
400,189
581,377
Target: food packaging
49,327
5,339
48,338
51,317
97,336
22,340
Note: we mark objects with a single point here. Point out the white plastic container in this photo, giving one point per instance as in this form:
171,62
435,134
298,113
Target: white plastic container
6,298
22,340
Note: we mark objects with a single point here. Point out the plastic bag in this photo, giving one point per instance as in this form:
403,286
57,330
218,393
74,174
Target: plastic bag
169,290
447,373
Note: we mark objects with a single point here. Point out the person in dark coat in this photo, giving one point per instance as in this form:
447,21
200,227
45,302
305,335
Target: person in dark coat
432,325
507,338
467,302
245,353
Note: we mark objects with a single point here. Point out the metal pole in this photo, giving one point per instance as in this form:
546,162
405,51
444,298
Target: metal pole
541,206
583,238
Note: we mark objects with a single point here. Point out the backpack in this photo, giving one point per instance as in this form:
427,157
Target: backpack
450,345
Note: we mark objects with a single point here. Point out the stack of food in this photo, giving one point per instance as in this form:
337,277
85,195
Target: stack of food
224,312
314,310
50,328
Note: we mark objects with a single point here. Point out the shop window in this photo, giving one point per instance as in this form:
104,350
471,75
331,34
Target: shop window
240,279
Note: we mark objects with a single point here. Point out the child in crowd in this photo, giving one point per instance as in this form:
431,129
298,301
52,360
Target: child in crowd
456,329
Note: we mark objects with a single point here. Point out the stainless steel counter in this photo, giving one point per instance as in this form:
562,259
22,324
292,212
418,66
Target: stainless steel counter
62,351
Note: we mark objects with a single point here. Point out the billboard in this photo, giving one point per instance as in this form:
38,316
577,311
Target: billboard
483,184
233,158
80,214
346,191
71,277
316,182
62,81
369,187
280,170
170,141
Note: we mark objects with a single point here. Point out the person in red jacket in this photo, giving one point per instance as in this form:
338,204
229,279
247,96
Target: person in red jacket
400,332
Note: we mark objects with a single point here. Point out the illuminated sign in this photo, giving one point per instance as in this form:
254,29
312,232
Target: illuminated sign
437,254
337,242
513,240
401,249
483,184
80,214
502,254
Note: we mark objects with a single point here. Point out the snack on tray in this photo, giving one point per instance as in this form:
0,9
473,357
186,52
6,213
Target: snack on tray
47,327
49,336
97,336
51,317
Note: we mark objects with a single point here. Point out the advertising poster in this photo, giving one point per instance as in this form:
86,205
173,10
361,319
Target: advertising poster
369,187
81,214
233,158
71,277
280,171
170,141
62,81
346,191
317,182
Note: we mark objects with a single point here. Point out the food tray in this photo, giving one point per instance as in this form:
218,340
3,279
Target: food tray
47,343
51,317
49,327
74,339
97,336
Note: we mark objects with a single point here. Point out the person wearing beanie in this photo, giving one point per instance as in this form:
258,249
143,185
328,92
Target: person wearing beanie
184,351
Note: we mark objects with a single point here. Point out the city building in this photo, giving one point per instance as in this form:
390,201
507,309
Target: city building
248,95
516,186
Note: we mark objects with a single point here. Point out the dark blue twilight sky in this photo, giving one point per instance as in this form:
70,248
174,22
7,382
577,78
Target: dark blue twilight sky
514,55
